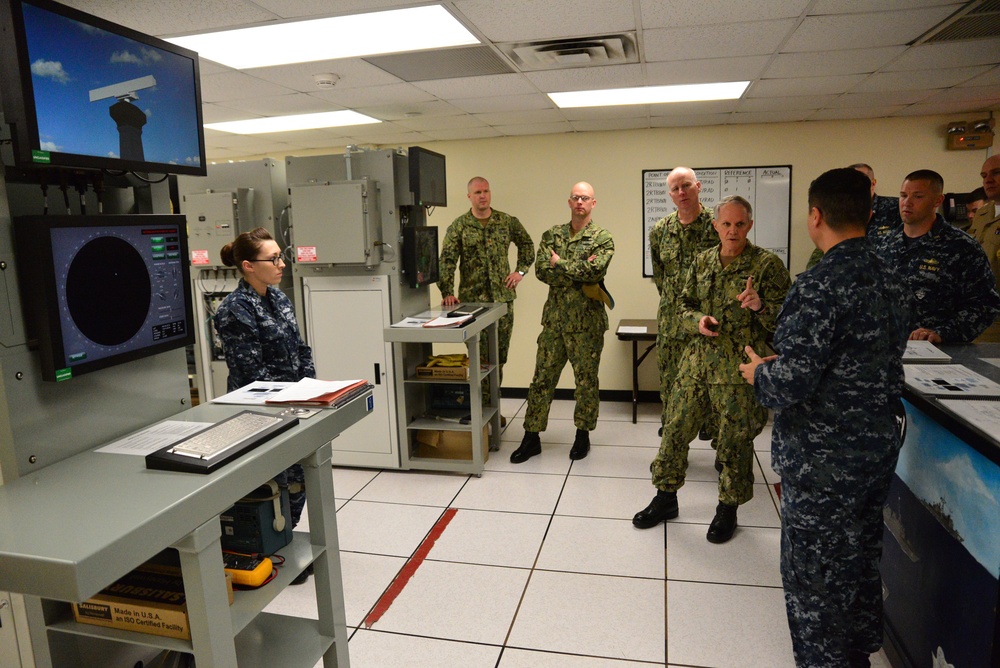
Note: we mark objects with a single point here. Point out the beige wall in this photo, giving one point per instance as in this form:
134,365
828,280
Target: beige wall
531,177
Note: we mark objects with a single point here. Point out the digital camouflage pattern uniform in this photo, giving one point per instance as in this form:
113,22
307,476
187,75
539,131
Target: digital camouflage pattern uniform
835,388
573,325
951,288
709,387
481,253
261,341
885,218
672,249
985,229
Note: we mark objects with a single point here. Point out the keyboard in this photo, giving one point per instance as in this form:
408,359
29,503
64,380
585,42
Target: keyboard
224,435
220,443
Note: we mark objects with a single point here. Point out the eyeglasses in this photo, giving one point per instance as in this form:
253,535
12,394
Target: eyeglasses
580,198
276,260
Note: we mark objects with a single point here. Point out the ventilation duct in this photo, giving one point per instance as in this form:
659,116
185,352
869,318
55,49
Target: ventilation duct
574,52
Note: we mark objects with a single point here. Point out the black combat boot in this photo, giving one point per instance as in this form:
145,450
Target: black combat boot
724,525
530,446
581,444
662,507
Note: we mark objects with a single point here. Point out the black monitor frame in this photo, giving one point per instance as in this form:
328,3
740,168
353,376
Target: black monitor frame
65,300
420,255
428,180
18,94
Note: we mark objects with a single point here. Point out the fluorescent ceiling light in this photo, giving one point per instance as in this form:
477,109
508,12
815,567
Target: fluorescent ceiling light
650,95
329,119
394,31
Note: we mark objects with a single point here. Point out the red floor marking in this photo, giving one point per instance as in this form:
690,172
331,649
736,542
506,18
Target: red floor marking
409,568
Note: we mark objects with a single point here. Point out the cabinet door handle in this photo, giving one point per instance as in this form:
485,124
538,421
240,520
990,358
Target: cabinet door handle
378,374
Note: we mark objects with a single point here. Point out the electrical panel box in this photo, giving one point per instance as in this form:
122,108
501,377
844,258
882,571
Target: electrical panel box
212,221
336,223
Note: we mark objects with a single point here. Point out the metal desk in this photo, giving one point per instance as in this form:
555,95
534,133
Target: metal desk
72,528
649,334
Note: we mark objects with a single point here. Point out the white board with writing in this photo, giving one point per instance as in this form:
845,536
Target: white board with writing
768,189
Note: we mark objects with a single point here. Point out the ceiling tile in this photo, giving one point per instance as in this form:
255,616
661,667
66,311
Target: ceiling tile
787,116
933,109
588,78
607,113
804,86
281,105
422,123
462,133
520,20
353,73
689,120
705,71
399,138
799,102
393,112
990,78
916,80
298,8
988,95
718,41
237,86
535,128
659,14
610,124
686,108
533,116
857,6
484,105
949,54
173,17
845,31
848,61
880,99
393,94
466,87
215,113
869,112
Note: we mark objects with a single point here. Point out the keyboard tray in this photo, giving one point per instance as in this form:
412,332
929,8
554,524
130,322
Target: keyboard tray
165,460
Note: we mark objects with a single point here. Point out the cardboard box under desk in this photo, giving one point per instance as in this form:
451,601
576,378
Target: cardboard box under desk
145,601
446,444
443,372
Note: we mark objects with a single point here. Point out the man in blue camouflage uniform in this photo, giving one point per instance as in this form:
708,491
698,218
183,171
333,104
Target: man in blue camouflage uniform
260,336
835,387
478,243
731,299
952,291
570,256
674,242
885,214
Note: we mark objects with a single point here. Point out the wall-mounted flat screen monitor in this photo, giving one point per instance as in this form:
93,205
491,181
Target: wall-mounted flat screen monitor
103,290
420,256
427,177
79,91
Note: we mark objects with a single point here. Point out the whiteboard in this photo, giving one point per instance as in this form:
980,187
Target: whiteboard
768,189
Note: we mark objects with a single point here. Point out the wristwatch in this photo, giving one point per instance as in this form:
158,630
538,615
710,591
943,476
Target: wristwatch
521,272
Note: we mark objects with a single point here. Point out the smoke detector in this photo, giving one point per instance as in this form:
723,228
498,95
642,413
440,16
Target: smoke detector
326,80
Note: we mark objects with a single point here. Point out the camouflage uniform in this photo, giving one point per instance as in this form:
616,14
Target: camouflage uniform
261,341
835,388
482,250
951,288
885,218
672,248
985,229
708,378
573,326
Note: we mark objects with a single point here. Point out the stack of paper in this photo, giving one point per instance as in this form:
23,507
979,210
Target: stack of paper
312,392
449,321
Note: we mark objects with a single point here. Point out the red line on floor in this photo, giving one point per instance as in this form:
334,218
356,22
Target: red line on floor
409,568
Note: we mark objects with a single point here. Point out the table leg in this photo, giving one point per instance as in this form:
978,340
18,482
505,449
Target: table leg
635,380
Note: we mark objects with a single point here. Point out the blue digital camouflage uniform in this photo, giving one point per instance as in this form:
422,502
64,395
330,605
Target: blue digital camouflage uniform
885,218
261,341
709,387
672,249
951,288
835,388
481,253
573,325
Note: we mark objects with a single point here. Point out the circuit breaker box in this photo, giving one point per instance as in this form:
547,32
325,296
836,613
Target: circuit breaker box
336,223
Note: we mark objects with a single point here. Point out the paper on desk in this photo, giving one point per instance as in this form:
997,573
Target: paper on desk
924,351
309,388
623,329
153,438
410,322
254,394
982,414
949,380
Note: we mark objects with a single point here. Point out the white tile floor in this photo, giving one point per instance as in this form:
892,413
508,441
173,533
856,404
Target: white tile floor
540,566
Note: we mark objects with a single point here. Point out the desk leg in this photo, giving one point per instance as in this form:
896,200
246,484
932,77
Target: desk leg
635,380
207,601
